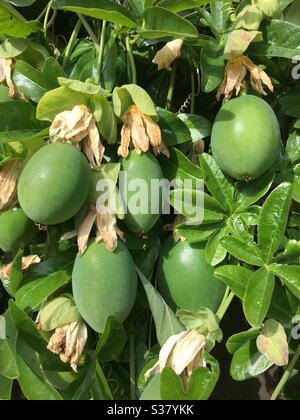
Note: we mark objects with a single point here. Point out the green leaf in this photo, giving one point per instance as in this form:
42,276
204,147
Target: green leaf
215,253
200,127
100,9
273,343
293,146
290,275
59,100
10,25
258,296
111,342
291,253
165,320
235,277
237,341
5,388
43,281
105,118
160,22
280,308
91,384
180,5
8,363
34,387
273,220
290,104
212,67
127,95
29,81
21,3
251,192
242,250
178,166
248,363
174,131
13,47
16,274
218,185
11,121
196,233
52,70
204,380
171,386
282,40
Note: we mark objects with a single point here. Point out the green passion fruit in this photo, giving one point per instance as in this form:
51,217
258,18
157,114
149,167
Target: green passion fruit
246,140
141,168
104,284
185,280
54,184
16,230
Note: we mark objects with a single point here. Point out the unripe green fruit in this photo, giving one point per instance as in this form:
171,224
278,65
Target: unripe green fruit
186,280
143,167
54,184
246,138
16,230
104,284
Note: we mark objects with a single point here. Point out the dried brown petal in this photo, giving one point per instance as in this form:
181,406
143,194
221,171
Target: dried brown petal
139,136
154,134
9,175
71,125
58,340
85,230
5,74
169,53
106,223
125,141
92,146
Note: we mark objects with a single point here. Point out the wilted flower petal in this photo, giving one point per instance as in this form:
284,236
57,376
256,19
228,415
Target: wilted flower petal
9,175
69,342
235,73
85,230
92,146
106,222
169,53
5,74
141,132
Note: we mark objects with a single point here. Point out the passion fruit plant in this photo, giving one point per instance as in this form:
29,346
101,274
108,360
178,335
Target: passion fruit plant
102,303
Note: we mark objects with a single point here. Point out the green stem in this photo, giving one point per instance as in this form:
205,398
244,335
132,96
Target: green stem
286,375
101,52
131,61
132,368
71,44
171,87
193,92
47,14
225,305
89,30
42,14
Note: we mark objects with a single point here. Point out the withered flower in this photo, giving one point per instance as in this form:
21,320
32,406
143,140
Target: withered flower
5,74
236,71
107,230
9,175
140,132
168,54
27,263
183,353
69,342
79,127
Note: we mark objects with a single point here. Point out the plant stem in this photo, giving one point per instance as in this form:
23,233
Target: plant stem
193,92
286,375
225,305
171,87
71,43
132,368
101,52
131,61
89,30
47,14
